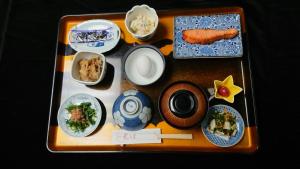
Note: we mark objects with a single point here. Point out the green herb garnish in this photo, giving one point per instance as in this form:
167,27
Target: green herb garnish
82,116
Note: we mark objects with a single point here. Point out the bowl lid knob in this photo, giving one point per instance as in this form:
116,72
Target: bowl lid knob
131,106
183,103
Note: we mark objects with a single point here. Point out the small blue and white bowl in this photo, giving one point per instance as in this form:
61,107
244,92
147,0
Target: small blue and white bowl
132,110
217,140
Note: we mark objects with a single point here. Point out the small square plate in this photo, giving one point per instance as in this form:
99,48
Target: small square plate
222,48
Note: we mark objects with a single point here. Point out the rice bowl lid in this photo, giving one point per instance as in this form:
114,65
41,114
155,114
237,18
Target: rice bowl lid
131,61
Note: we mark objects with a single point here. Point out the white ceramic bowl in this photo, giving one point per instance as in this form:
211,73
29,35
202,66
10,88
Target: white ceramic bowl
132,63
141,10
87,55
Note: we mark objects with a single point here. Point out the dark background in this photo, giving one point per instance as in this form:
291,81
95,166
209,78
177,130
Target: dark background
27,49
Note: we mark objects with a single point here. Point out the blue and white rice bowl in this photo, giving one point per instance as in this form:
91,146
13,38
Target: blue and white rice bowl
132,110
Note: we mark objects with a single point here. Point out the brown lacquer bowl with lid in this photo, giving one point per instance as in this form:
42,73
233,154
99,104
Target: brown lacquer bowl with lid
183,104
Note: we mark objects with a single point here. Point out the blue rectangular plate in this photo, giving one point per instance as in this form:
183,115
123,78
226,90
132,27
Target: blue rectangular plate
223,48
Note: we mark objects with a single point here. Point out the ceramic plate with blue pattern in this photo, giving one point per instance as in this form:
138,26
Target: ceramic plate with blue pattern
96,35
219,140
63,114
222,48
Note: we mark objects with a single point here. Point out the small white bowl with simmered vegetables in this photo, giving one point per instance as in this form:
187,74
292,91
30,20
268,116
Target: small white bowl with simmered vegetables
88,68
141,22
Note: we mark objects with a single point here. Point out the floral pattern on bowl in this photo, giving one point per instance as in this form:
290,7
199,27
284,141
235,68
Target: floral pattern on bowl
145,116
119,120
222,48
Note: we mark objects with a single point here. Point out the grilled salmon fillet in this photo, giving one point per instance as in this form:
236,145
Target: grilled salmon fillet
207,36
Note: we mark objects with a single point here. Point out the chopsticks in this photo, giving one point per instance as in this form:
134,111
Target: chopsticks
176,136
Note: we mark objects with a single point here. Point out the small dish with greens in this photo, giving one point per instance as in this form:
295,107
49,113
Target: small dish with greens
223,126
79,115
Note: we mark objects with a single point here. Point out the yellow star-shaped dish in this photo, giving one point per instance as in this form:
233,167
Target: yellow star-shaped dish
228,83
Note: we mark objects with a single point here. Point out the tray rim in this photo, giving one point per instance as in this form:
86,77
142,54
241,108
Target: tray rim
212,10
252,86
